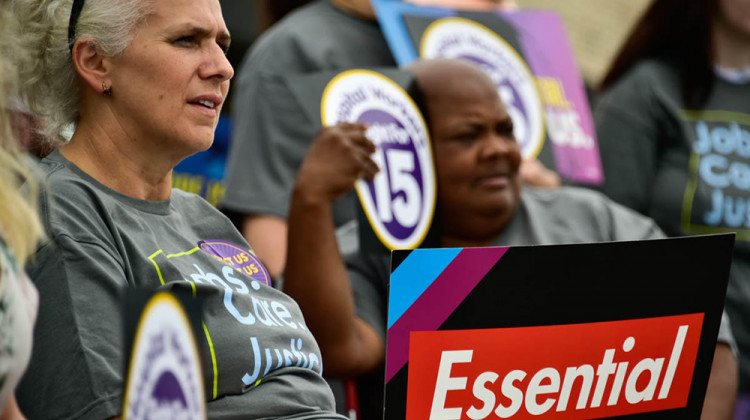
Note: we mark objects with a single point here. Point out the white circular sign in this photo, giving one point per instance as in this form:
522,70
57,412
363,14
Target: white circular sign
464,39
400,201
164,378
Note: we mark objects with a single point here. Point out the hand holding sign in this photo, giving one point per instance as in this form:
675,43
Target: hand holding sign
339,156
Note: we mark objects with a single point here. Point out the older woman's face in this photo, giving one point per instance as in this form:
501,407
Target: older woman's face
477,158
170,83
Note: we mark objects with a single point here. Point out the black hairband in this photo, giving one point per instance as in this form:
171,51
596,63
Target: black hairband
74,14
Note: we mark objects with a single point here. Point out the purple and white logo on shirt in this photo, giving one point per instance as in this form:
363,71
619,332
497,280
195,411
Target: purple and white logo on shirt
238,258
467,40
164,378
400,201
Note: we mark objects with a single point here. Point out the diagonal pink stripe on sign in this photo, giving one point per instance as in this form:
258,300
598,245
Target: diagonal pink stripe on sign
439,301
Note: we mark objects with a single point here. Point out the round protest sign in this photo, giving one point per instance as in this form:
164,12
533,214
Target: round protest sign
400,201
467,40
164,378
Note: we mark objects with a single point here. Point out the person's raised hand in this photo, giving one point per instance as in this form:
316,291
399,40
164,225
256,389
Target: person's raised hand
339,156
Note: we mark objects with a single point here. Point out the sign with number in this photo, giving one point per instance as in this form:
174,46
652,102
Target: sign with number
527,55
399,203
164,376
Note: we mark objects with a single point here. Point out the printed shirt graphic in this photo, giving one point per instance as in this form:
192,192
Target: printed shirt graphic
234,281
716,197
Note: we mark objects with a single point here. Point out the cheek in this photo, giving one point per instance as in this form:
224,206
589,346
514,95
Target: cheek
452,163
514,156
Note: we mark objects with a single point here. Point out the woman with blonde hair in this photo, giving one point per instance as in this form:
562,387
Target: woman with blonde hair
19,232
142,83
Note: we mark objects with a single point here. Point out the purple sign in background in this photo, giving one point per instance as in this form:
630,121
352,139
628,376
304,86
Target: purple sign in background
545,47
548,54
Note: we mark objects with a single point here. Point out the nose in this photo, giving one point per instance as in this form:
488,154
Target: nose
216,66
495,146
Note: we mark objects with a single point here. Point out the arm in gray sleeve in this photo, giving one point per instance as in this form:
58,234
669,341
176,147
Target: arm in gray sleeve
77,359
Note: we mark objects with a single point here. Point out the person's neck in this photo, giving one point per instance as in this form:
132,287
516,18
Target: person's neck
731,48
108,159
471,235
453,241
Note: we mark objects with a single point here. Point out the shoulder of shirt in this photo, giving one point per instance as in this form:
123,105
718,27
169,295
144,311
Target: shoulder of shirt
646,75
642,91
570,199
292,36
318,17
67,201
62,183
181,198
566,195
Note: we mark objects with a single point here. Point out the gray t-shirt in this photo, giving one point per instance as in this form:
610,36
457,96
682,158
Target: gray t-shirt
259,360
687,169
271,132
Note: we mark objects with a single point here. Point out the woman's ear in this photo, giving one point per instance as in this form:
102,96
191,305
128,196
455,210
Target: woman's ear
90,64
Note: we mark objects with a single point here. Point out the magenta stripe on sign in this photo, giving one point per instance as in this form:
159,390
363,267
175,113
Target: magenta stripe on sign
439,301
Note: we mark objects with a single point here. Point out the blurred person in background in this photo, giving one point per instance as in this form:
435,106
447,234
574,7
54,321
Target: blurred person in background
673,125
142,83
19,232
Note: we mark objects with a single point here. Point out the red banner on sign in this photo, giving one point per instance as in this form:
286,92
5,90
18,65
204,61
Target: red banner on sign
575,371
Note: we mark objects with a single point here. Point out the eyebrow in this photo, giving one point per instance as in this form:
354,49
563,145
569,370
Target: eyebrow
223,35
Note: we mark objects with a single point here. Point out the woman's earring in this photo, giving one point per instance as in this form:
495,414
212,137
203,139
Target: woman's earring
107,91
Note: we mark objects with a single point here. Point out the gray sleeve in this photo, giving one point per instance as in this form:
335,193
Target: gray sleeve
627,225
725,334
270,136
369,278
76,365
627,132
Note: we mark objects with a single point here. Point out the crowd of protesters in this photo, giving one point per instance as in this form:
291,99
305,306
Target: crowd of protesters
111,96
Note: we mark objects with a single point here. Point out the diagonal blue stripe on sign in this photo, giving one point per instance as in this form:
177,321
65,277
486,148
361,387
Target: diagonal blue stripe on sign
415,274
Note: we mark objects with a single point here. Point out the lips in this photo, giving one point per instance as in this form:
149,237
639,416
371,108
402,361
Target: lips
494,179
207,102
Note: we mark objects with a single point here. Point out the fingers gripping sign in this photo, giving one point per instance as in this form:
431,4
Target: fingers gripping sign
339,156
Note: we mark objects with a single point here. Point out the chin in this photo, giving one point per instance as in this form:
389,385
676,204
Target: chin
199,141
500,208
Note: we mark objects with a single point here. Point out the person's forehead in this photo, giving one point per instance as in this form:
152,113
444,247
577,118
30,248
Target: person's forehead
461,92
188,11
